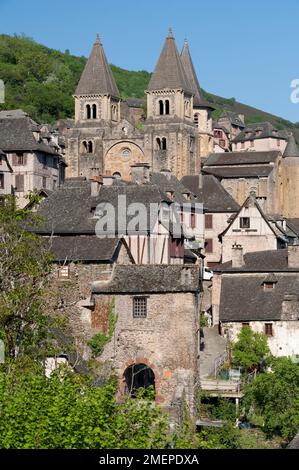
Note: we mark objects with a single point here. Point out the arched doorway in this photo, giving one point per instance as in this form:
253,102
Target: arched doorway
139,377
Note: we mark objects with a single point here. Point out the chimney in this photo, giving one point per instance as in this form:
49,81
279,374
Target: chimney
140,173
237,256
293,256
290,307
166,173
242,118
95,185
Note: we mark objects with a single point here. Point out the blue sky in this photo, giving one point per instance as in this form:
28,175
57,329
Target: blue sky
246,50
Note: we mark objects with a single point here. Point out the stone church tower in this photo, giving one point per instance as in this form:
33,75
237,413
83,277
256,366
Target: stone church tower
170,134
175,134
202,110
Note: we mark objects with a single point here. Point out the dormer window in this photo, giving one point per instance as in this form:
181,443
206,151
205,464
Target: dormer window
269,283
245,222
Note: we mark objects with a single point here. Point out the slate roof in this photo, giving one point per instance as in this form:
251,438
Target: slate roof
291,149
135,103
198,99
217,125
213,195
170,183
169,72
244,299
82,248
241,158
267,130
233,118
97,76
71,208
16,134
260,262
146,279
261,171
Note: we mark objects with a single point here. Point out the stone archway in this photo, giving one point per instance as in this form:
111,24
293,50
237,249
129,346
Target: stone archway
139,377
120,157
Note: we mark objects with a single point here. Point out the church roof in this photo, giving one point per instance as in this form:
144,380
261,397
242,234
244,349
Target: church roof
97,76
169,72
187,62
291,149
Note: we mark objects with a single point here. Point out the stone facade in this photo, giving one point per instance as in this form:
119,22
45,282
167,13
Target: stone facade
174,135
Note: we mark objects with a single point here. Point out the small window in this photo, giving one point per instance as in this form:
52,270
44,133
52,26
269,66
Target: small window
1,181
209,245
196,119
90,147
126,153
245,325
269,285
164,143
44,182
167,107
64,272
94,111
139,307
268,329
161,107
244,222
208,221
88,111
19,159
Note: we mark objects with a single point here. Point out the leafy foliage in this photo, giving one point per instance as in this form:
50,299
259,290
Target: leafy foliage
98,341
24,265
251,350
275,396
41,413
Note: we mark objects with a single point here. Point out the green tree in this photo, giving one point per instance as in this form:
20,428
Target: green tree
251,351
24,265
275,397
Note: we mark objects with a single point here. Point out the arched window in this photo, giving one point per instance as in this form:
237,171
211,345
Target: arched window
161,107
90,147
167,107
117,175
196,118
84,147
94,111
164,143
88,111
158,143
139,378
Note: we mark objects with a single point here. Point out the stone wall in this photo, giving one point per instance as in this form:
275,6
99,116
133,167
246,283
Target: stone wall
166,341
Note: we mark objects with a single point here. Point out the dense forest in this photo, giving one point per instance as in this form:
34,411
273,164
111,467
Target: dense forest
41,81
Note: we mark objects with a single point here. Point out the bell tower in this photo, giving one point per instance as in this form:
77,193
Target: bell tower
97,97
170,134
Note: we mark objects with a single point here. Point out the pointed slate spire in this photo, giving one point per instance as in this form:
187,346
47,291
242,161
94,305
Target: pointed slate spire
187,62
97,76
291,149
169,72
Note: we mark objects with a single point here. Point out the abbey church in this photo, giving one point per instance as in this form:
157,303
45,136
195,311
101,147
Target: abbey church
174,135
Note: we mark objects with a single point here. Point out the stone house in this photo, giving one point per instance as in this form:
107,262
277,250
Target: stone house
260,137
241,173
156,308
271,175
35,163
254,231
175,134
74,209
219,207
221,138
260,290
6,179
234,123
